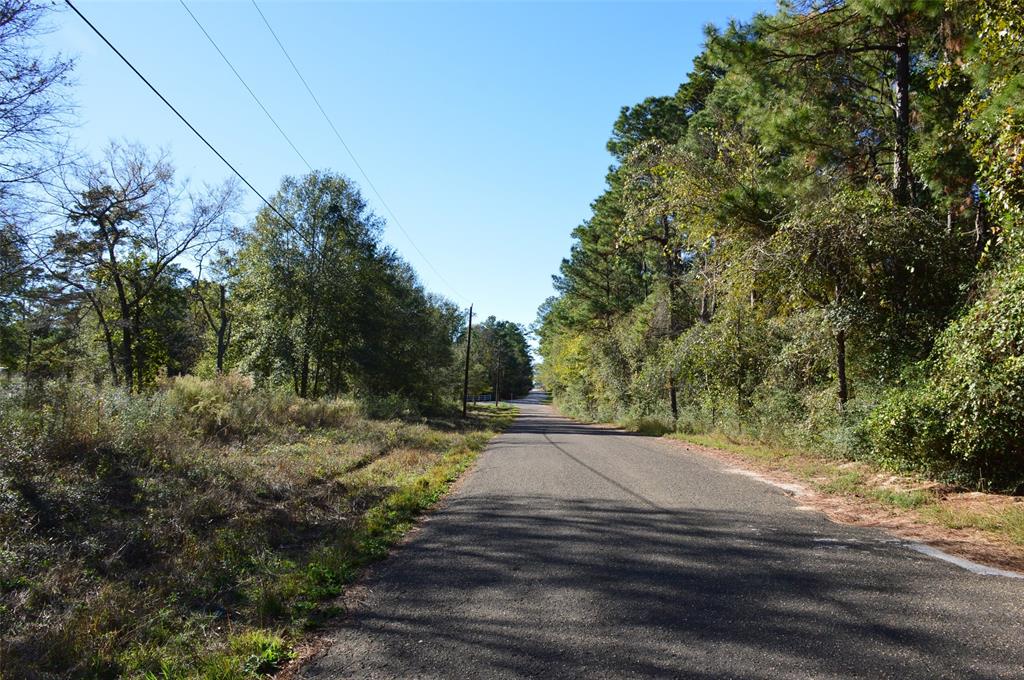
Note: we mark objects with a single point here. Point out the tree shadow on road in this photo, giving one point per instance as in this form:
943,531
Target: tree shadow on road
538,587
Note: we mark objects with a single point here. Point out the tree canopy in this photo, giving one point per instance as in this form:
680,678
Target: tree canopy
790,244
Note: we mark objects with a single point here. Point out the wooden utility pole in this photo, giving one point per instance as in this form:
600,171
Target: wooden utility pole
465,380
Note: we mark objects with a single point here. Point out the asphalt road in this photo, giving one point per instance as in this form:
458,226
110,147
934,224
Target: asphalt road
581,552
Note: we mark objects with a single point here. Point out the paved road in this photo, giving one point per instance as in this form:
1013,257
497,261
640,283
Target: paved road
580,552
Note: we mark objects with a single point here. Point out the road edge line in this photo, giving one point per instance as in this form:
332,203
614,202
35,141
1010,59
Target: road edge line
970,566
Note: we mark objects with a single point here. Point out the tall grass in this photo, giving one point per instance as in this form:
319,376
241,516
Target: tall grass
196,531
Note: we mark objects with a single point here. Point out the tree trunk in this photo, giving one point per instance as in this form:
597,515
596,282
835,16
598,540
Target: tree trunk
673,401
140,350
222,330
741,368
28,355
125,321
127,365
304,377
670,282
982,231
108,339
841,368
221,350
124,309
901,156
670,275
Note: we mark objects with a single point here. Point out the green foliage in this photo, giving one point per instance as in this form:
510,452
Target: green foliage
129,226
229,408
988,56
966,417
252,654
808,244
312,302
906,500
500,362
327,309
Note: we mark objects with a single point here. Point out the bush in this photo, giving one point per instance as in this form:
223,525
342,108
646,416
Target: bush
648,427
966,417
907,432
58,419
228,407
315,413
225,406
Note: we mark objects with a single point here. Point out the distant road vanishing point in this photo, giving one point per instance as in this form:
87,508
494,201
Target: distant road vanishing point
575,551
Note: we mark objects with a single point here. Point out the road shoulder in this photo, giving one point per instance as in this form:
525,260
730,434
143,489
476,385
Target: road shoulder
975,526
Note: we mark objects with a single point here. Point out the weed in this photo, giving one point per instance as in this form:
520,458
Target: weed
845,483
1008,521
902,499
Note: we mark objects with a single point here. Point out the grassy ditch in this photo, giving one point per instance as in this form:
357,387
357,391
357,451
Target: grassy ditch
930,502
199,531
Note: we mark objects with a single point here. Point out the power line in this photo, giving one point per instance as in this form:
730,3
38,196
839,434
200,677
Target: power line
191,127
228,163
245,84
351,155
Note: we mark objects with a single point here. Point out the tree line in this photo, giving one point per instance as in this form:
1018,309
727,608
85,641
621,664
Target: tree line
816,240
116,270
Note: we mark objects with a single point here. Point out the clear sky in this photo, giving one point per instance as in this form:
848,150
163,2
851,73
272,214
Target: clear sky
482,125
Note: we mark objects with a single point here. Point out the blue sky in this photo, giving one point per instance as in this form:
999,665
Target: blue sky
481,124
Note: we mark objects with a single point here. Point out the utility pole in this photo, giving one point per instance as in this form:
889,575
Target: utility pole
465,380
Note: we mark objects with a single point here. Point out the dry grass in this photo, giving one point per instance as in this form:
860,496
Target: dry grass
198,532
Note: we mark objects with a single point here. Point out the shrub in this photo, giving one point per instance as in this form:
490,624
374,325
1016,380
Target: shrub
967,416
228,407
907,432
225,406
316,413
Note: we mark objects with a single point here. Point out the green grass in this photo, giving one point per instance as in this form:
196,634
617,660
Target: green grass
844,483
154,541
1008,522
907,500
746,448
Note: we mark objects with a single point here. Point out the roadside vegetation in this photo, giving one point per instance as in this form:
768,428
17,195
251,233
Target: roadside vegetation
198,530
816,244
210,422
